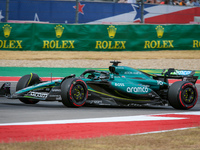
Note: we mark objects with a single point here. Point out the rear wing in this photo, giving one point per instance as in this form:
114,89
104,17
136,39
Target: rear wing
176,72
171,73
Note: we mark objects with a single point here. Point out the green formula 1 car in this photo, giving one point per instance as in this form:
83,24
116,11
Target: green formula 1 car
120,86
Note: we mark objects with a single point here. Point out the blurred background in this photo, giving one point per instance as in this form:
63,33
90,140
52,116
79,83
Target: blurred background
101,11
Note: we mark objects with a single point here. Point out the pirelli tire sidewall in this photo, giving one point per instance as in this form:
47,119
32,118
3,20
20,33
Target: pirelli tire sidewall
182,95
25,81
74,92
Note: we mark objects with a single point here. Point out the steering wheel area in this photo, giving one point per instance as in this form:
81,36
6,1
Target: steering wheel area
95,74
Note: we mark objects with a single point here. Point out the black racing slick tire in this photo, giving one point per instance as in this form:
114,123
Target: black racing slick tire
25,81
182,95
74,92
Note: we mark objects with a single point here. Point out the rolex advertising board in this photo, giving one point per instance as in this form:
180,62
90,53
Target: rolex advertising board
113,39
15,37
54,37
64,37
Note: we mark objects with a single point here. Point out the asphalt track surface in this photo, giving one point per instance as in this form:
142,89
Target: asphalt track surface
13,111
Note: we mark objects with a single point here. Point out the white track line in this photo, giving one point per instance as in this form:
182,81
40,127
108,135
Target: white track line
152,117
162,131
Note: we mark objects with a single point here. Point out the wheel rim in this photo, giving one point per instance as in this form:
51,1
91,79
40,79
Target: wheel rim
188,95
78,93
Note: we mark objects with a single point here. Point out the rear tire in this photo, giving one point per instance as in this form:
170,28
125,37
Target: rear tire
25,81
182,95
74,92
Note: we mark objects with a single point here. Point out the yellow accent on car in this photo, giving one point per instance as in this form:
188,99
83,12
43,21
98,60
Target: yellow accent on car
116,96
30,79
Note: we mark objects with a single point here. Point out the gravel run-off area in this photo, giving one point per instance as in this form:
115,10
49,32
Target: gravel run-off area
148,60
85,63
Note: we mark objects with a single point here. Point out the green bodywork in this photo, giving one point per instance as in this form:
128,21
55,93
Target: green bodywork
124,80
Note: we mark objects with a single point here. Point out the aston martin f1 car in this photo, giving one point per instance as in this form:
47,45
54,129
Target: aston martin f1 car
120,86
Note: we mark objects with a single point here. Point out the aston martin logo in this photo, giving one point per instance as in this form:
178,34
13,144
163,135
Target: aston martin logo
59,31
160,31
112,31
7,29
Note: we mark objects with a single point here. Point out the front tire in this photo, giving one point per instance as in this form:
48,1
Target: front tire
74,92
182,95
25,81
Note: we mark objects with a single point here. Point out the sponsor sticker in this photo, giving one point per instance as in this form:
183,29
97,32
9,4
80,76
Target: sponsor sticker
159,82
129,72
137,90
38,95
183,72
119,84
